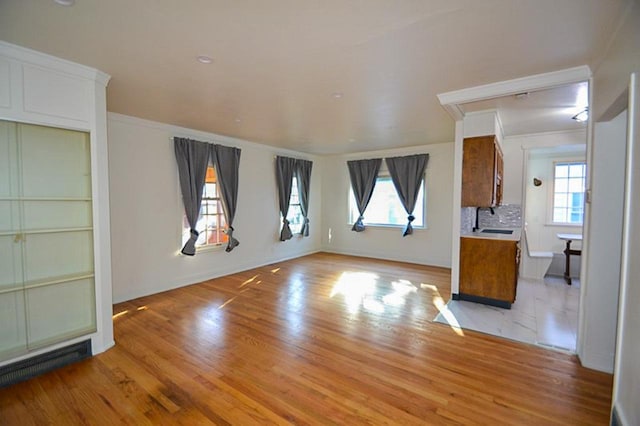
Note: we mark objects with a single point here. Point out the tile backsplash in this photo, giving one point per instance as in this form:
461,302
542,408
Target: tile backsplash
506,216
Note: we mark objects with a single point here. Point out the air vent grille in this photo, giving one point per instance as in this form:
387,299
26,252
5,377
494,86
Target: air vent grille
26,369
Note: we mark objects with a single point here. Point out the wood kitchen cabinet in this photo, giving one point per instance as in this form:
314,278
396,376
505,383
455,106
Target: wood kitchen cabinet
482,171
489,270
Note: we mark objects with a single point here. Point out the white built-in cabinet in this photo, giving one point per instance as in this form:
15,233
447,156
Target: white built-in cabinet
47,292
55,254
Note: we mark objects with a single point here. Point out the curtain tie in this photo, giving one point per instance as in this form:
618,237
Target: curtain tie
233,243
408,230
359,225
189,248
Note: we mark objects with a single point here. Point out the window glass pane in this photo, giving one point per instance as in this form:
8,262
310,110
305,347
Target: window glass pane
560,200
562,170
210,190
294,192
559,215
561,185
576,170
575,185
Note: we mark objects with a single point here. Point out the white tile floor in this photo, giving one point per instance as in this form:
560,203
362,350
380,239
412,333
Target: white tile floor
545,313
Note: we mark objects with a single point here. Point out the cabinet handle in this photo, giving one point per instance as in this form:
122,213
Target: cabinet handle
17,238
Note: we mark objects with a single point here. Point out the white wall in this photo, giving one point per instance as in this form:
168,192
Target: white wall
147,210
602,271
610,82
431,246
515,148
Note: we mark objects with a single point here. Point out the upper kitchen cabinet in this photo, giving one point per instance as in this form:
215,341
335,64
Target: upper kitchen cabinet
482,170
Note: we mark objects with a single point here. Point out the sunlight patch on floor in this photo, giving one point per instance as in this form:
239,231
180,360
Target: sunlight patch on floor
441,306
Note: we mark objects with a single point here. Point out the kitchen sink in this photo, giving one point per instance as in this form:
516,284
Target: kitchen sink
497,231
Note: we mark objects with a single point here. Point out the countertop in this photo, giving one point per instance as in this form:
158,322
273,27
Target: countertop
487,236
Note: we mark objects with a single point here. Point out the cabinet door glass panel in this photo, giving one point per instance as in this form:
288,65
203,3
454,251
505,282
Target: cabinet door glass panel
56,214
60,311
58,254
10,263
8,165
55,162
9,216
13,337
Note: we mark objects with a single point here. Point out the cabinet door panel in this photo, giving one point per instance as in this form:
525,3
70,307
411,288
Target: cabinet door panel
60,311
58,254
56,214
13,336
55,162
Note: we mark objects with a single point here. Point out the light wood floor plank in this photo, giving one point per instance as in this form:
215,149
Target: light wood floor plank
323,339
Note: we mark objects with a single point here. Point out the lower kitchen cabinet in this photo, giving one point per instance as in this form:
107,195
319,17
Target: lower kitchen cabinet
489,271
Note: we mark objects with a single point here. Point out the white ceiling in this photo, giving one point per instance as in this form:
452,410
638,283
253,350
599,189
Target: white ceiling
549,110
277,64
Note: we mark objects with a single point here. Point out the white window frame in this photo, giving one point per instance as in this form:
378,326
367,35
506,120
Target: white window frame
352,209
204,233
552,191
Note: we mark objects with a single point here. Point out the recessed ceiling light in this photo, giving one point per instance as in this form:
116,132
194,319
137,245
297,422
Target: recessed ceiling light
65,2
204,59
337,95
237,120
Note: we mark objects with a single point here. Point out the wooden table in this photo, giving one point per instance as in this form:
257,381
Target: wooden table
568,252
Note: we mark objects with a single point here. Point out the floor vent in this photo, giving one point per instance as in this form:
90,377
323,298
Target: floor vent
26,369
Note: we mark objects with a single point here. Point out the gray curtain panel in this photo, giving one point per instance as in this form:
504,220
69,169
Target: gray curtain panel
363,174
406,174
303,171
285,167
193,159
226,160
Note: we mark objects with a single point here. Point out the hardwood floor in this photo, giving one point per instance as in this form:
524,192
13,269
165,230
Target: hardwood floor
323,339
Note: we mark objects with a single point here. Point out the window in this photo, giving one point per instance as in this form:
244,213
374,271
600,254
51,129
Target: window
294,215
568,192
211,221
385,207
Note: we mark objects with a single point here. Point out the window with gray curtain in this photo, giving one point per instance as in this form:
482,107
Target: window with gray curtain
226,161
192,158
407,174
285,168
303,173
363,174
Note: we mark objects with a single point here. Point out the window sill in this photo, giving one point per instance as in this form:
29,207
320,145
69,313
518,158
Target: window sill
205,249
563,225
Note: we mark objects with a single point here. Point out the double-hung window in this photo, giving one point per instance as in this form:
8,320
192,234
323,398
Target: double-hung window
211,222
385,207
568,192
